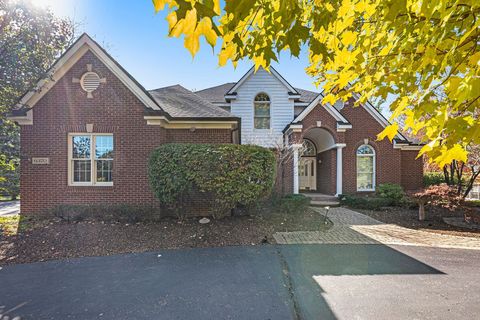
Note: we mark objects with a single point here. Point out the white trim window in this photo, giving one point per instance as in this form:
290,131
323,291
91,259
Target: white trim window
261,118
90,159
365,168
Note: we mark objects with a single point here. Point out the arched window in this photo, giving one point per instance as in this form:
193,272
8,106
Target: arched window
261,119
365,168
308,149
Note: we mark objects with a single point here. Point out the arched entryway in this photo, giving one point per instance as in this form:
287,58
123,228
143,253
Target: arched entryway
317,162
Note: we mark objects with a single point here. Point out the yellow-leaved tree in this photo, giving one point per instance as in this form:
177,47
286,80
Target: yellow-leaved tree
422,55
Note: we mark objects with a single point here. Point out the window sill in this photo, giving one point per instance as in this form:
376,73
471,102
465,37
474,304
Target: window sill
90,185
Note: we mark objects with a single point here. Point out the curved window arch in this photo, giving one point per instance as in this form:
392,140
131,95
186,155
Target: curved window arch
308,148
261,118
365,168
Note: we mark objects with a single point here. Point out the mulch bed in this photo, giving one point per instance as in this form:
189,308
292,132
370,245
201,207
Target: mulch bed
409,218
56,239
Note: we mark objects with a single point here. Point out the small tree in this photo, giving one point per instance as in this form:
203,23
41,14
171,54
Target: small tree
442,195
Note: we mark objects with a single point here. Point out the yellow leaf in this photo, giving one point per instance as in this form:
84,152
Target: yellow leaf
190,21
205,27
172,20
348,37
457,152
329,7
228,52
159,4
329,98
390,132
216,7
192,44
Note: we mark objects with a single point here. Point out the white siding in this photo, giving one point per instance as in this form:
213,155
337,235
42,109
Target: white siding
281,108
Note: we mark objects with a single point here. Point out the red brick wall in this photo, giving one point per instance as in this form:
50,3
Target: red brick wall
387,159
113,109
327,171
412,170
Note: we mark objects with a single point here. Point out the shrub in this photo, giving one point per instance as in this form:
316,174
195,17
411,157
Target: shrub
226,175
117,212
433,178
294,203
363,202
442,196
391,191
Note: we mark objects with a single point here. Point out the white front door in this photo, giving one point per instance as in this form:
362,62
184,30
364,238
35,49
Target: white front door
307,172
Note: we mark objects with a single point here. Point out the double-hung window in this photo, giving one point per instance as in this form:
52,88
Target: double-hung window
365,168
261,117
90,159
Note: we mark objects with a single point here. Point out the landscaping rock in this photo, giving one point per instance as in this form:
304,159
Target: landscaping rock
204,220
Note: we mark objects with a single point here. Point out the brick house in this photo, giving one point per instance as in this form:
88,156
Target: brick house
88,129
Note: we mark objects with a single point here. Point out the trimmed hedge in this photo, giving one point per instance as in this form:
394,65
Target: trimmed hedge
362,202
391,191
227,175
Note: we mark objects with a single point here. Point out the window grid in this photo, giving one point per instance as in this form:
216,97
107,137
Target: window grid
91,159
261,111
365,168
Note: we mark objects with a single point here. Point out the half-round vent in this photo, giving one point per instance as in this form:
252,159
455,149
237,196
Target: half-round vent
90,81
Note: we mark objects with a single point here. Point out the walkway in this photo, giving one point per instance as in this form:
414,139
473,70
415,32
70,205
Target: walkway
350,227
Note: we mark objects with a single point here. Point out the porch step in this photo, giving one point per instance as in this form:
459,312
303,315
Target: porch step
325,203
322,200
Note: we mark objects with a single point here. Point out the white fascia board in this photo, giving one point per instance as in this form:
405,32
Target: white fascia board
301,104
406,146
341,127
71,56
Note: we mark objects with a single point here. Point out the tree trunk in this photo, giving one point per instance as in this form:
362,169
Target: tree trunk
421,211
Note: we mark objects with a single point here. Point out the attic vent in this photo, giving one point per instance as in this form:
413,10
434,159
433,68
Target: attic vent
90,81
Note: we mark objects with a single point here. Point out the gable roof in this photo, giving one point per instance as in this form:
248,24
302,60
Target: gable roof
83,44
274,72
377,115
180,102
333,112
216,94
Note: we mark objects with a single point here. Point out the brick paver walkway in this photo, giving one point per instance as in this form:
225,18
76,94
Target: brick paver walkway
350,227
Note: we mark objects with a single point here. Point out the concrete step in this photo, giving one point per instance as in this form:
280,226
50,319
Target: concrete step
321,197
315,203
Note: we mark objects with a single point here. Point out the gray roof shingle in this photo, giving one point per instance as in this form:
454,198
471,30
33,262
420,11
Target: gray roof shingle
216,94
307,95
180,102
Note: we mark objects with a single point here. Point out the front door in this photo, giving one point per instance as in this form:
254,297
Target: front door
307,172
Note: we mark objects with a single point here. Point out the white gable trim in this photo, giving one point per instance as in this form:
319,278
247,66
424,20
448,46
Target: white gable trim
231,93
333,112
68,59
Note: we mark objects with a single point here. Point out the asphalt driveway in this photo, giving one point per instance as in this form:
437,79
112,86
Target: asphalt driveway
262,282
